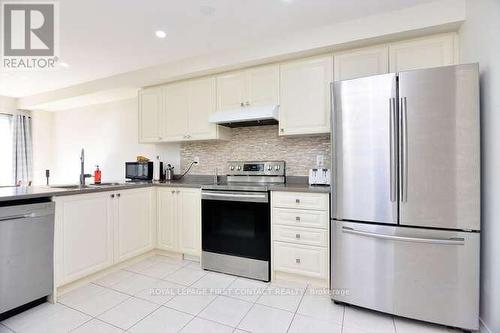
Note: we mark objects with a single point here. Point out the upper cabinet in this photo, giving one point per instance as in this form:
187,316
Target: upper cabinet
258,86
305,96
150,109
361,62
433,51
179,112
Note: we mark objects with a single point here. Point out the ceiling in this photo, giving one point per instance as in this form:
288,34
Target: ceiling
99,38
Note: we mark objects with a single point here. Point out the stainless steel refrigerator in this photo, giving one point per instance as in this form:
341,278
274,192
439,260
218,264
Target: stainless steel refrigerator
406,194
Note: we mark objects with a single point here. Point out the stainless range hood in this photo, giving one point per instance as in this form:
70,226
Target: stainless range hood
247,116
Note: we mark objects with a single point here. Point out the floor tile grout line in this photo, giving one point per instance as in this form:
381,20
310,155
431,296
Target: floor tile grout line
147,315
246,314
343,319
297,309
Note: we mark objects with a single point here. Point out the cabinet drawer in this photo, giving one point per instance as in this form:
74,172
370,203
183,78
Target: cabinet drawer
306,236
301,259
300,218
300,200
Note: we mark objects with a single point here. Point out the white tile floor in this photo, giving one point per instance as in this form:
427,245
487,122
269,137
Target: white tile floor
161,294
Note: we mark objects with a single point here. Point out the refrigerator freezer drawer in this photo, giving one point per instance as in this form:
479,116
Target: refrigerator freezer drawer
430,275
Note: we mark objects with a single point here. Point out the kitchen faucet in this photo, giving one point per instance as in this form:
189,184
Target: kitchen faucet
83,175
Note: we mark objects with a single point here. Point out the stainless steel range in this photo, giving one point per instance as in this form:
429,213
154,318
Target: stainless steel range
236,219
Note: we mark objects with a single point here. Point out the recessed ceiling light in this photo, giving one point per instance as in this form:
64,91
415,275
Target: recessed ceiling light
64,64
160,34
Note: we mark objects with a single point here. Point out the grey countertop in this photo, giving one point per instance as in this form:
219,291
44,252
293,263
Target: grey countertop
30,192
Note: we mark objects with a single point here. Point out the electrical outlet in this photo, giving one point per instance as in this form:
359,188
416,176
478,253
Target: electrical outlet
320,160
197,159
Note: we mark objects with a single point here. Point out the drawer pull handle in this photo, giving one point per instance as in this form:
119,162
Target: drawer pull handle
297,218
297,261
297,236
297,200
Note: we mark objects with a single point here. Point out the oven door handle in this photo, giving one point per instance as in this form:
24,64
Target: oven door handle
232,196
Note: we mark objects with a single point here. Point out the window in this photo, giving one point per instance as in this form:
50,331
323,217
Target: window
6,150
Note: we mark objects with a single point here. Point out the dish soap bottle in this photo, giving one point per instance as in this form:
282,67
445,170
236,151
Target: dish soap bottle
97,175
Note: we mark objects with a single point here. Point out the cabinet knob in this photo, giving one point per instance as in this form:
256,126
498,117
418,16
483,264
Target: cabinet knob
247,103
112,195
177,191
297,218
297,261
118,195
297,236
297,200
242,104
282,130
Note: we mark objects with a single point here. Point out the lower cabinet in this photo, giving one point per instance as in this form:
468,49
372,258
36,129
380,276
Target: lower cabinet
179,220
96,230
300,236
134,226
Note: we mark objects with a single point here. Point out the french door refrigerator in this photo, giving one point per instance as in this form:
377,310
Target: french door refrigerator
406,194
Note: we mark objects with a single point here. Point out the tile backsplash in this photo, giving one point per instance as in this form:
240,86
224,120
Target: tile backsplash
257,143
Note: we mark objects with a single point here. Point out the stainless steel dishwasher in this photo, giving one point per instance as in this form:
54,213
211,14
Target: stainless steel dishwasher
26,252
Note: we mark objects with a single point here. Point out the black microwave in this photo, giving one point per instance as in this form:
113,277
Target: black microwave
139,171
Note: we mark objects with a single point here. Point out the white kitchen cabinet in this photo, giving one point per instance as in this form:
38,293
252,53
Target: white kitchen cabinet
150,114
176,109
134,223
189,221
84,235
305,96
431,51
254,87
179,220
357,63
231,90
96,230
167,219
300,236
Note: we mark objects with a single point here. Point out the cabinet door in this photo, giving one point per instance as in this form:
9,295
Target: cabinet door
434,51
361,62
84,235
167,219
231,90
176,106
189,220
305,96
263,86
202,103
133,223
150,108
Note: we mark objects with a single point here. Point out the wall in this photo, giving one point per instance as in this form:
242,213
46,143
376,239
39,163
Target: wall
109,134
7,104
257,143
480,42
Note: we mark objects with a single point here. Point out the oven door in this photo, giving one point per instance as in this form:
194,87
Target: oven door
236,223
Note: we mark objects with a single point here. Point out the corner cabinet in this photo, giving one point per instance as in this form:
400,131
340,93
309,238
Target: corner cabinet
305,96
97,230
179,220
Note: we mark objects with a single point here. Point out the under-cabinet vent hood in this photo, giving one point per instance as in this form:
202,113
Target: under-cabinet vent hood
247,116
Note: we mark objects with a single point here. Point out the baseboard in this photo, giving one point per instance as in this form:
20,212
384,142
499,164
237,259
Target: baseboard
482,327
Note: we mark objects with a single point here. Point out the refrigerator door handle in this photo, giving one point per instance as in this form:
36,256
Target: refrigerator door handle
404,150
449,241
392,139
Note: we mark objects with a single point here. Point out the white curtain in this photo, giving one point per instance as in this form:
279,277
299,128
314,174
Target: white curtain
22,150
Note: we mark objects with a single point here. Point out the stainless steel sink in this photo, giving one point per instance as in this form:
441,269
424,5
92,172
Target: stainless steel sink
106,184
70,187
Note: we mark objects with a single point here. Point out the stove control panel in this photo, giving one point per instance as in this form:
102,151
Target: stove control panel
256,168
